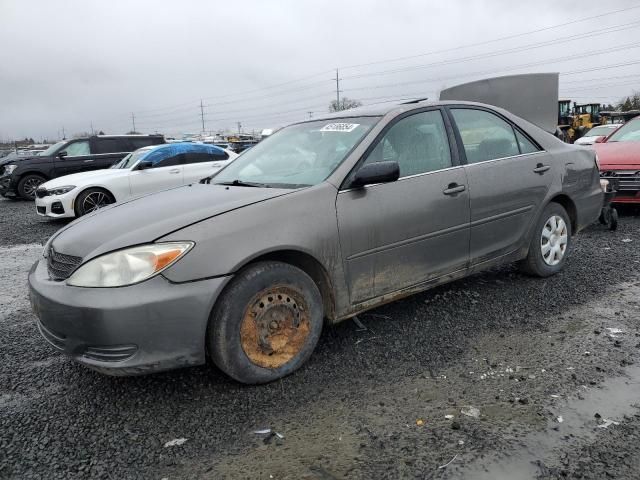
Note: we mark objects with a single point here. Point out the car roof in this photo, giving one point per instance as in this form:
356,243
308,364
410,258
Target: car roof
384,109
183,147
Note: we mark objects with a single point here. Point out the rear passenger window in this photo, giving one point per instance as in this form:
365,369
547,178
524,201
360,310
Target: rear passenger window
418,143
110,145
485,136
137,143
526,146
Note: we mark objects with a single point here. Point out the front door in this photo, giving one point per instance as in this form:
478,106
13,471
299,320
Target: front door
404,233
166,171
76,158
508,176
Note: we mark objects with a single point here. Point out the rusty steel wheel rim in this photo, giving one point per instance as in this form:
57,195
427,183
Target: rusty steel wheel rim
275,326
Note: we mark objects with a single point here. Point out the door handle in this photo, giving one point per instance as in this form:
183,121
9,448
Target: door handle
540,168
177,170
453,188
88,161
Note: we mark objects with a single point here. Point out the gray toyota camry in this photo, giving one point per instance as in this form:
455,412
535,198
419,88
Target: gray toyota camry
324,219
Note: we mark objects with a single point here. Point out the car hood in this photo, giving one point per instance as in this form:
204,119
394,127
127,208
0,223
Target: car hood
618,155
33,159
148,218
83,178
587,140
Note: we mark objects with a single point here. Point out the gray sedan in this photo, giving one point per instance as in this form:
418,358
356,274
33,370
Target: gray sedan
321,221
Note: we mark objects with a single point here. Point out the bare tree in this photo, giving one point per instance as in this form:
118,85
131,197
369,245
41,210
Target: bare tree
345,104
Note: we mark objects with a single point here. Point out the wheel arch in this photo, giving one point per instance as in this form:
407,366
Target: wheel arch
568,204
309,265
91,187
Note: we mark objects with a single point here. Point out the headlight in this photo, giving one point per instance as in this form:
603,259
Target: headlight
129,266
8,169
61,190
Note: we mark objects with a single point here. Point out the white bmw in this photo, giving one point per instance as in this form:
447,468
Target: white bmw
147,170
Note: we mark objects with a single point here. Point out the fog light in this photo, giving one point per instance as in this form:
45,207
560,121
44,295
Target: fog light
604,185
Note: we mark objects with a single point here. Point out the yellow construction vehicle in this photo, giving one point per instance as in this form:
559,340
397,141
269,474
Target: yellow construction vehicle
574,122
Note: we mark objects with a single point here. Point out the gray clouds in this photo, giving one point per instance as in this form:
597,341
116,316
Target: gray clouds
75,62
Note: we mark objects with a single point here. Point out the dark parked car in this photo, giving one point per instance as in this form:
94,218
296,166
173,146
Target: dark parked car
322,220
20,177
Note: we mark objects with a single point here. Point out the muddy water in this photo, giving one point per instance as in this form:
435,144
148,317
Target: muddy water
575,420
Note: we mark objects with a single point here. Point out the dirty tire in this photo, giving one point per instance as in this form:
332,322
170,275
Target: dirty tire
28,184
91,200
535,263
266,323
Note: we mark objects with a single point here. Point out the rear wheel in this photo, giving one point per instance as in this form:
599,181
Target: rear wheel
266,323
550,242
91,200
28,185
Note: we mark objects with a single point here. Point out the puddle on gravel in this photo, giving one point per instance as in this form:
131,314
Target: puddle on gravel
613,399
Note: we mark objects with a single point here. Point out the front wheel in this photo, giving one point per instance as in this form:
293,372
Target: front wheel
91,200
266,323
28,185
550,242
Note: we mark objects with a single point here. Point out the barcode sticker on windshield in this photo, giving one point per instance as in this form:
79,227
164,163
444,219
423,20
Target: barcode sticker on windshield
340,127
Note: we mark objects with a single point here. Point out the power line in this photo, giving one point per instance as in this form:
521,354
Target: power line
499,39
460,47
500,52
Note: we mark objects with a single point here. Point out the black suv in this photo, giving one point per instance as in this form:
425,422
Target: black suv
21,177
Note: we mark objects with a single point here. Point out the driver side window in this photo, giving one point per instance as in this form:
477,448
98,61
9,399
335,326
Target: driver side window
418,143
77,149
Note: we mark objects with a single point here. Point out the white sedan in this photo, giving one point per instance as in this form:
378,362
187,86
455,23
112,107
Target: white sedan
599,131
147,170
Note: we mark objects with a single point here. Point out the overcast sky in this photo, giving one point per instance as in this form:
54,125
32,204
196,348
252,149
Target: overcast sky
77,63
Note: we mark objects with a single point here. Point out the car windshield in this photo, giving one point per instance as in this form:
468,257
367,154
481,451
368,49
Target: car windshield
300,155
599,132
52,149
629,132
131,159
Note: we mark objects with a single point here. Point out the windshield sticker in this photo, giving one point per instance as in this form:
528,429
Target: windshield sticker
340,127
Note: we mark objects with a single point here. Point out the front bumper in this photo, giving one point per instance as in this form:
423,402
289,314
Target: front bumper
56,206
148,327
7,188
626,183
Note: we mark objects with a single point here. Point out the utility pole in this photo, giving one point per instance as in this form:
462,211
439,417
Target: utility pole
202,116
337,91
310,114
133,121
239,128
64,136
91,124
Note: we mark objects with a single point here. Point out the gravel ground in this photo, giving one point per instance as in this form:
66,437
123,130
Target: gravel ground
516,353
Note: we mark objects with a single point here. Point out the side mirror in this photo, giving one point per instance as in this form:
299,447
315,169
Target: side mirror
377,172
62,154
144,165
600,139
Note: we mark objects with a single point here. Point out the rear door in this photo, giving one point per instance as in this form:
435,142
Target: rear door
509,176
108,150
77,158
166,172
203,162
400,234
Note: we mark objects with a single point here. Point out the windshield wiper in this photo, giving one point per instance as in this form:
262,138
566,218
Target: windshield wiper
241,183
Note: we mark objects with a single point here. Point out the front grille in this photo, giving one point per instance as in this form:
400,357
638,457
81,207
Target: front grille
61,266
623,180
111,353
41,192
